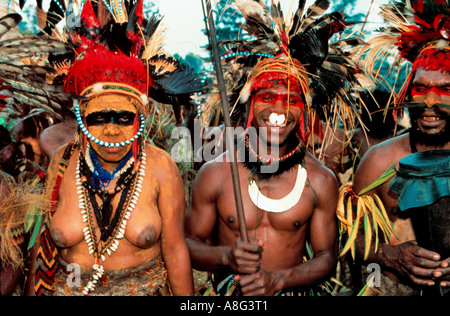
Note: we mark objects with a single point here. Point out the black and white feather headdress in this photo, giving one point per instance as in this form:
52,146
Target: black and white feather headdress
308,43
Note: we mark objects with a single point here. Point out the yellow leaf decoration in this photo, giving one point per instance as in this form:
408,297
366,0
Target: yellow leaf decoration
363,210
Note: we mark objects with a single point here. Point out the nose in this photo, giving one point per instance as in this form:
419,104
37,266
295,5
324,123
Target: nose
279,107
432,99
111,129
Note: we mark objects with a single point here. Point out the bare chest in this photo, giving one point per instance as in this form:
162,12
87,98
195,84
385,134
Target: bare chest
78,209
279,204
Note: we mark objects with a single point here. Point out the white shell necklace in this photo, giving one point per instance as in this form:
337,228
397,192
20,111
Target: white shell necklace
279,206
112,244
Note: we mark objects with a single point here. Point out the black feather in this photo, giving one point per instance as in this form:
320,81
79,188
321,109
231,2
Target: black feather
298,17
54,15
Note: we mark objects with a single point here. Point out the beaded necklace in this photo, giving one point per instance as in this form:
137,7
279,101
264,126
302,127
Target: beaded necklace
101,178
272,160
131,184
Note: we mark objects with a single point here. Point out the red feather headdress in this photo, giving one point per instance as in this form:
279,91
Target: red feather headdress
419,33
115,44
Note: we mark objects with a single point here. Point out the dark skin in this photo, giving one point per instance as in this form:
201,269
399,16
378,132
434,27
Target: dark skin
57,135
403,258
273,258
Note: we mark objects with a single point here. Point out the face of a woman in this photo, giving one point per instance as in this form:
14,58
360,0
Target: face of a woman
110,118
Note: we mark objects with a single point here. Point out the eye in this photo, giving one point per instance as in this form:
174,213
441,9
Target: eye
420,88
294,101
99,118
126,119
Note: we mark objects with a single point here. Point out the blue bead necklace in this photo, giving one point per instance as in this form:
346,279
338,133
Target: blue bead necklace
101,178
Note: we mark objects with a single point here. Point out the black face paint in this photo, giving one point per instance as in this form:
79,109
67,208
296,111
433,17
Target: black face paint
121,118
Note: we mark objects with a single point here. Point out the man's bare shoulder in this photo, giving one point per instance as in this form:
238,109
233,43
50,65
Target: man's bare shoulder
324,183
216,168
384,155
379,159
317,171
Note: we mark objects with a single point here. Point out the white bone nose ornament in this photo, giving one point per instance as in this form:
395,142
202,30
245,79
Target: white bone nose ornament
277,120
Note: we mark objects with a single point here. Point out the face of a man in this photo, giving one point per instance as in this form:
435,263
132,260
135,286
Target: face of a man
433,89
110,118
278,111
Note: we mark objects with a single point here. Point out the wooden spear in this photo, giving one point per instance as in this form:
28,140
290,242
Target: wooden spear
226,114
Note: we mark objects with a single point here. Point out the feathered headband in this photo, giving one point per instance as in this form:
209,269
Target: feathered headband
297,50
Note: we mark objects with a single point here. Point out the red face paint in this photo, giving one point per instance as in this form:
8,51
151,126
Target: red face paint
272,99
423,90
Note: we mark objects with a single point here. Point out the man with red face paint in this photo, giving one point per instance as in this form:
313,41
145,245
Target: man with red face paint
284,207
411,260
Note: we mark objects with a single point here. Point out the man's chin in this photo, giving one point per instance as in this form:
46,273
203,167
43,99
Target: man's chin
434,140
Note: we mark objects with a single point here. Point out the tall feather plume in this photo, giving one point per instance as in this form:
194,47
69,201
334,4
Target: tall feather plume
8,22
258,22
316,10
306,37
298,17
120,26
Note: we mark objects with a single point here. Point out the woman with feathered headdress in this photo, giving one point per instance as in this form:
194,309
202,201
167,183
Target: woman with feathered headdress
117,209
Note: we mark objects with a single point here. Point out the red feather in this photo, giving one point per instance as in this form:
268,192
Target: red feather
102,65
89,16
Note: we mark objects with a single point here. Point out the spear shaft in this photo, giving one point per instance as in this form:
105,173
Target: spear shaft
226,113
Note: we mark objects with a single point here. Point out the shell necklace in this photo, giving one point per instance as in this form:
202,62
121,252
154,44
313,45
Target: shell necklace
98,250
284,204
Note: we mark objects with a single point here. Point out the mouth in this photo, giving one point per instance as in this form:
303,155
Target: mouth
112,150
276,121
430,121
